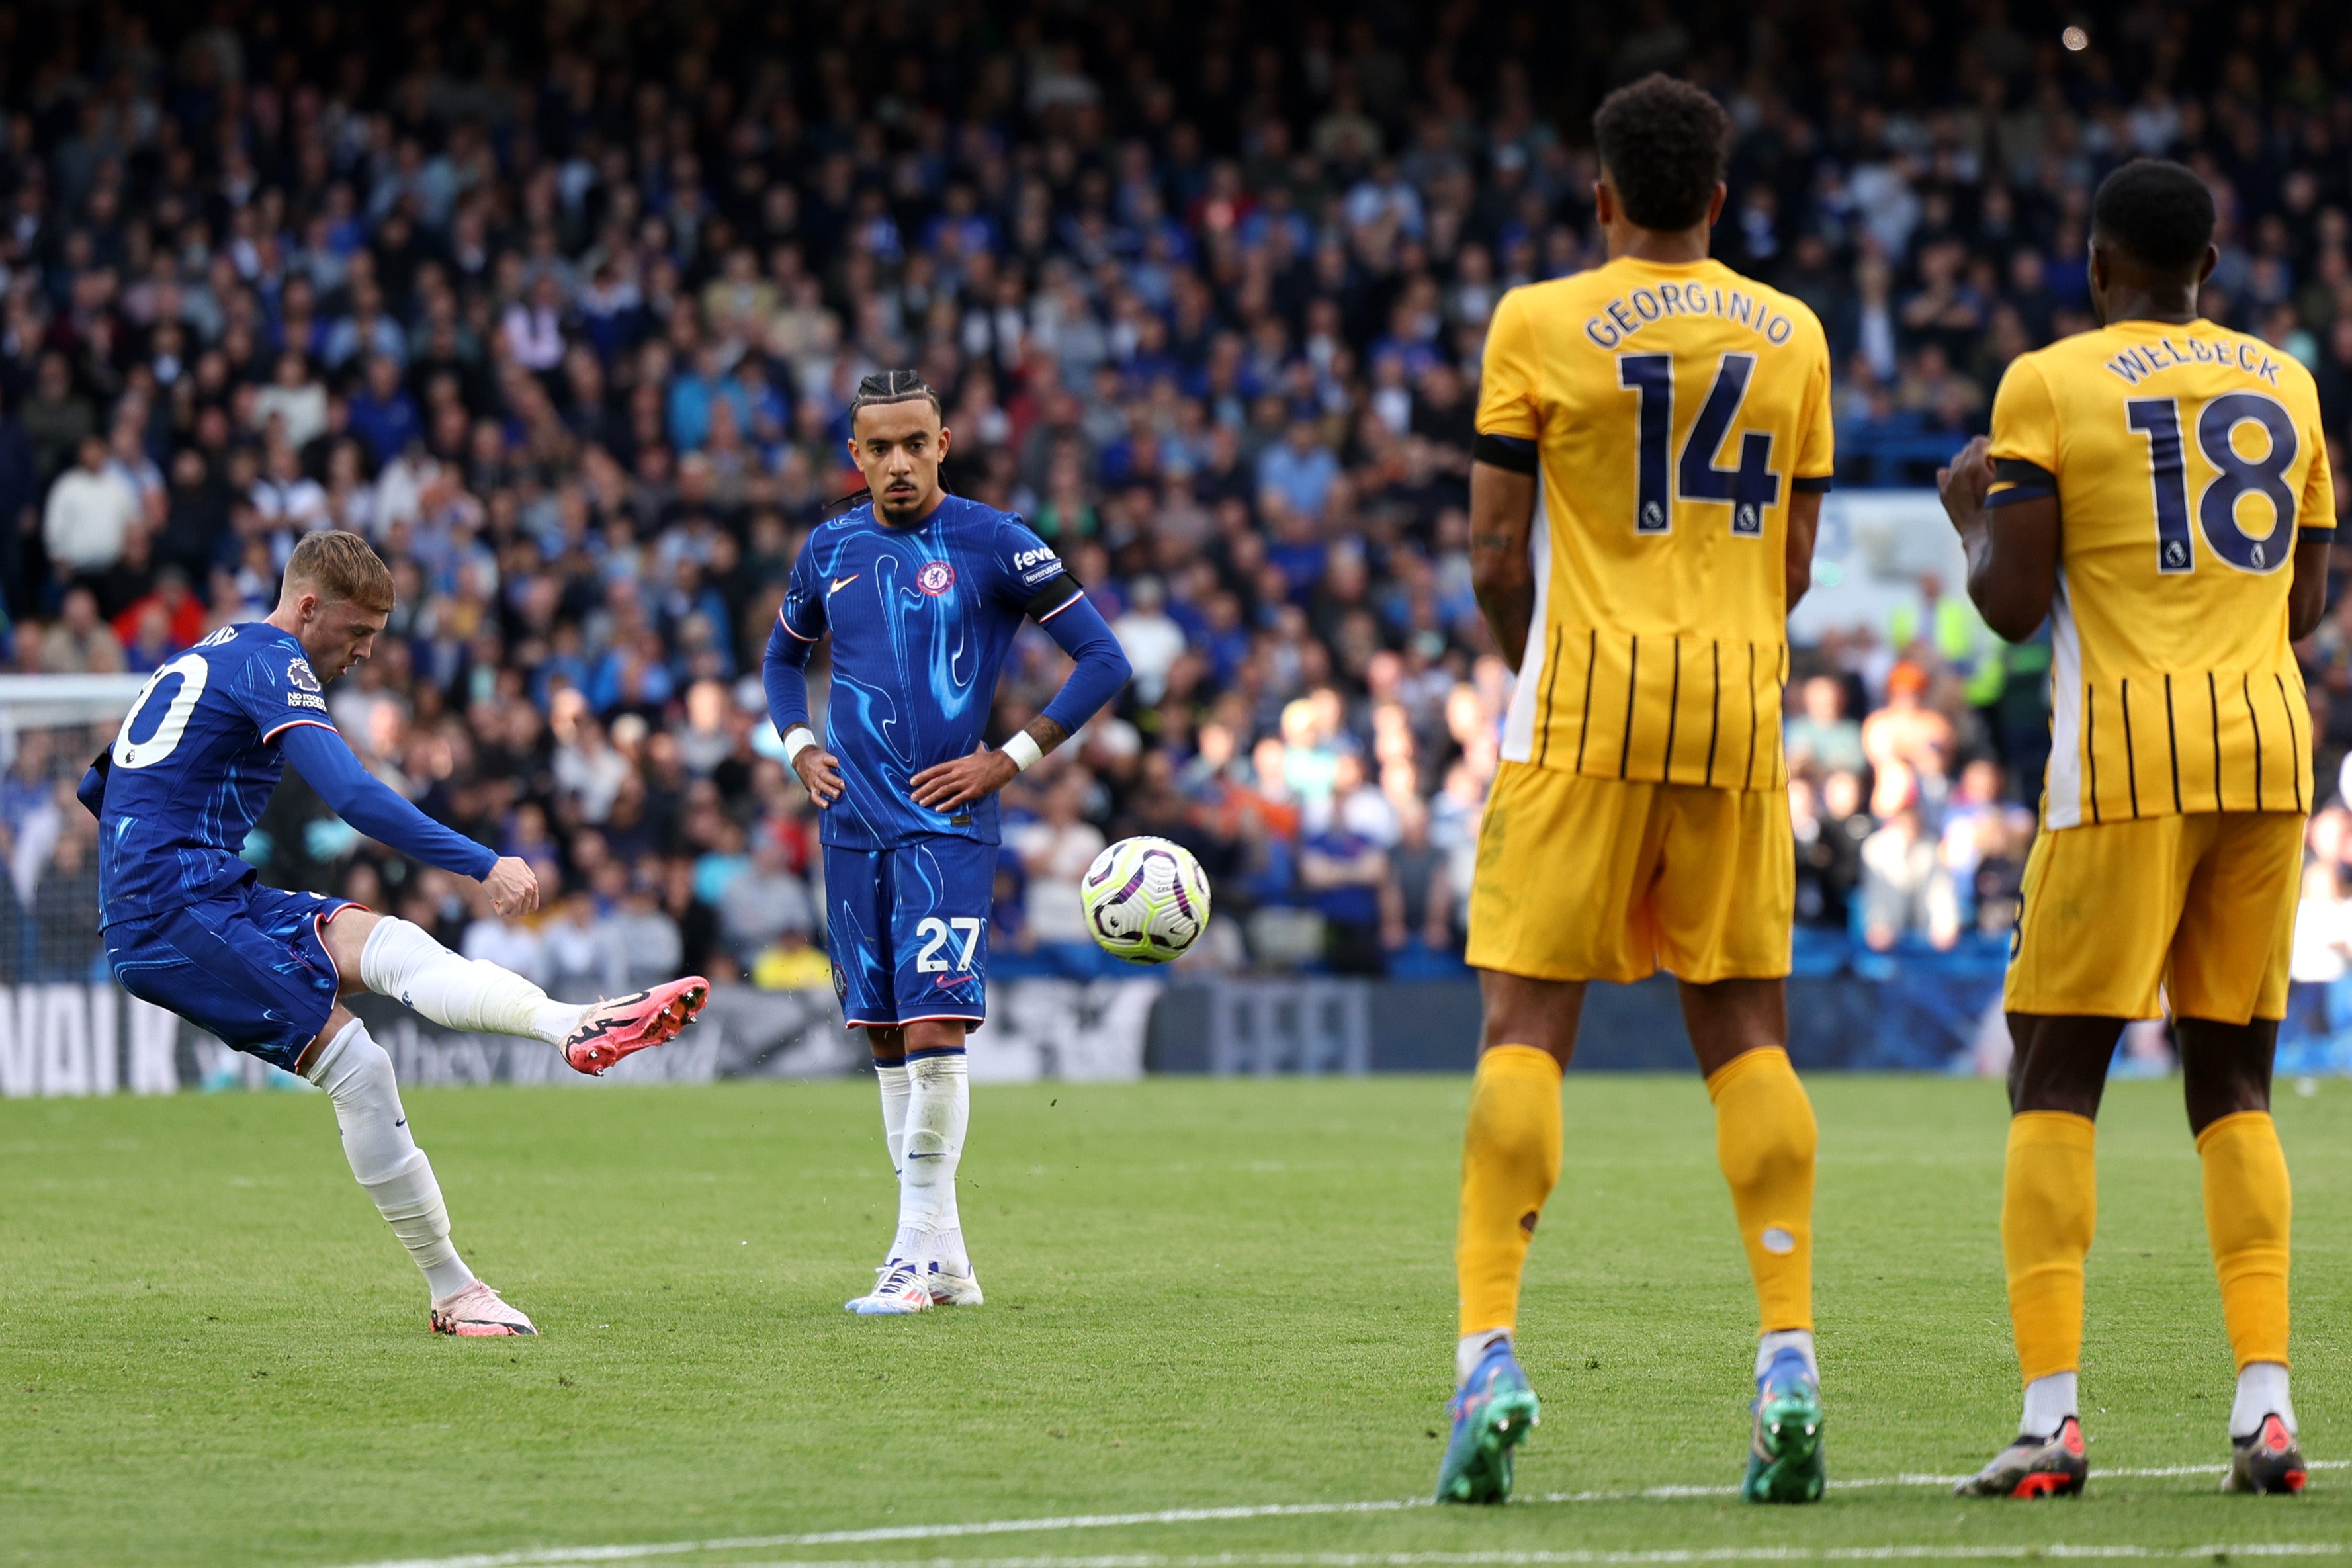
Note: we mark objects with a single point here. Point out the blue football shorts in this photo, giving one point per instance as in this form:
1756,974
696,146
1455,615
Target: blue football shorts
251,968
907,930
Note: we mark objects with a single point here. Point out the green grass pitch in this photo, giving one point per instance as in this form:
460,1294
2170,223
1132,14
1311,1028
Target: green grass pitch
1202,1295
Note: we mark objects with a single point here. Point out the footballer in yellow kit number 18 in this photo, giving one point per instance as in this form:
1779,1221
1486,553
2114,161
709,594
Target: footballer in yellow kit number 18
2158,490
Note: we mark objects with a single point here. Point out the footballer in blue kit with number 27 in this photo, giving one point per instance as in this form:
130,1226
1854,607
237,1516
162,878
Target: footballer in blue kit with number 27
921,593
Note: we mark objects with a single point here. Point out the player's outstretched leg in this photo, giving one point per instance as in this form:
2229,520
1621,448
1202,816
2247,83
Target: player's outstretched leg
401,958
392,1171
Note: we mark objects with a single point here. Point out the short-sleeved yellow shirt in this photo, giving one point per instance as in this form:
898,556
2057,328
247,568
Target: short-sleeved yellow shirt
1674,411
2186,460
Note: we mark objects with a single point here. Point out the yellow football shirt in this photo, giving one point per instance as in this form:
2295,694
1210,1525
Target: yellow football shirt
2186,460
1674,410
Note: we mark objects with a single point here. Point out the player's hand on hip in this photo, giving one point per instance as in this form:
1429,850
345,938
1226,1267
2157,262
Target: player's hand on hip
943,786
514,886
1963,485
820,772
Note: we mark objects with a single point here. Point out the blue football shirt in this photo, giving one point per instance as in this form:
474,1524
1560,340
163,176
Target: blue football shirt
921,619
193,766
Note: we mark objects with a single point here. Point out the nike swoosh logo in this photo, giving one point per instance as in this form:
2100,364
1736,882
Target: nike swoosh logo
401,1122
841,583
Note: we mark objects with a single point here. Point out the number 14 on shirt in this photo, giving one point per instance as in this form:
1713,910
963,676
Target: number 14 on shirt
1749,489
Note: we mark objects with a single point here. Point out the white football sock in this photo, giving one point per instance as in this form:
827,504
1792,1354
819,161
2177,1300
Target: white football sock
2262,1391
357,1076
938,1108
892,1078
1799,1340
403,960
2048,1401
1470,1349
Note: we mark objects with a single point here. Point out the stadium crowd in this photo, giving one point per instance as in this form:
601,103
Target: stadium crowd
562,305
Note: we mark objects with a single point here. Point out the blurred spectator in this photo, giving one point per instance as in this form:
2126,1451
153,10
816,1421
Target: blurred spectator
1416,900
90,512
294,401
1906,890
508,943
2320,1000
1911,735
582,960
67,938
77,642
1055,849
1821,739
649,939
764,903
1153,640
1342,874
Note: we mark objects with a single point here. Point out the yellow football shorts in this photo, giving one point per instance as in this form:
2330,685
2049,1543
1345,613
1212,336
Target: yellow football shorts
1585,879
2202,905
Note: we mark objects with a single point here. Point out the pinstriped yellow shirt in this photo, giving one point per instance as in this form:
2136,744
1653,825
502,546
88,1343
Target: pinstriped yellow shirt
2187,461
1672,411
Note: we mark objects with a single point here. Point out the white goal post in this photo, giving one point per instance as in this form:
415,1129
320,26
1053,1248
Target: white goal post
66,1028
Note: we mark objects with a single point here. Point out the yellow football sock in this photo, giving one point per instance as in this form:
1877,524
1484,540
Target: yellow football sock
1510,1160
2249,1203
2048,1207
1765,1139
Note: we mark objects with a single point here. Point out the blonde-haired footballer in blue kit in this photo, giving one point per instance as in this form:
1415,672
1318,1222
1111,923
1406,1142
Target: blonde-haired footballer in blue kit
1654,441
2158,490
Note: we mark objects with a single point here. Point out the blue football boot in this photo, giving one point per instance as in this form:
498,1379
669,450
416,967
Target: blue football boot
1493,1410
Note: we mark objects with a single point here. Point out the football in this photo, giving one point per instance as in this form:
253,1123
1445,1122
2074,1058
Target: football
1147,899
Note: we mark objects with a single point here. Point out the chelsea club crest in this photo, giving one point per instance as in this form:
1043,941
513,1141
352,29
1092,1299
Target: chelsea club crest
936,578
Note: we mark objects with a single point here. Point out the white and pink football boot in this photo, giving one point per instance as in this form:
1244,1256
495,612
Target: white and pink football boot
901,1289
476,1313
611,1030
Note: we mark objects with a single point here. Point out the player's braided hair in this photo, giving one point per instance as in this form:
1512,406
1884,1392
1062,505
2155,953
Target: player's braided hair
2157,213
1663,143
892,386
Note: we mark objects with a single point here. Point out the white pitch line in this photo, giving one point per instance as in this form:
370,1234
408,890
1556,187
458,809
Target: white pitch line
1573,1559
561,1556
1598,1559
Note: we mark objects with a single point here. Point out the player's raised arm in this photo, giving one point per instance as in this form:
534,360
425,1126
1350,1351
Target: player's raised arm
282,697
319,752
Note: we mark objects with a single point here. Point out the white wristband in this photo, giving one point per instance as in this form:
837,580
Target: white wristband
1023,750
799,739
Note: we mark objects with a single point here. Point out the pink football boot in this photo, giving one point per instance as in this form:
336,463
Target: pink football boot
611,1030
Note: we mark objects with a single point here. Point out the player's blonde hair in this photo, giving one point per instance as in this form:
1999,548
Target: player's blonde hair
340,565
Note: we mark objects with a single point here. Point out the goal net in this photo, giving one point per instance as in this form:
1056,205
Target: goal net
65,1028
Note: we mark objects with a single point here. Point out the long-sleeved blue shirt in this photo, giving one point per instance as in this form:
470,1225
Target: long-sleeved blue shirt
195,765
921,619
